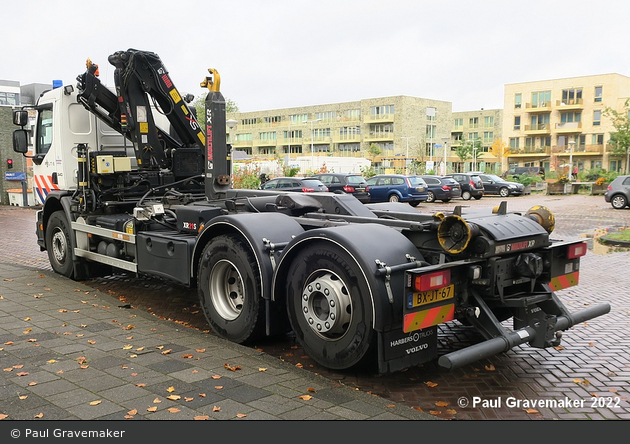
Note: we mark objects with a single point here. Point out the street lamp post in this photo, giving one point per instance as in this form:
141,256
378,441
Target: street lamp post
474,147
407,155
446,140
571,145
312,148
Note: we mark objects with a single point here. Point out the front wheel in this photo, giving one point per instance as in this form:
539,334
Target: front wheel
58,244
230,291
504,192
430,196
329,307
619,202
466,195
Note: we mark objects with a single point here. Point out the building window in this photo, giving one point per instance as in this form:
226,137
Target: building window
349,132
458,124
518,97
268,136
541,99
320,133
382,110
297,119
598,93
273,119
326,116
381,129
517,122
598,139
430,114
293,134
473,122
7,98
488,121
268,150
571,96
349,147
251,121
430,131
243,137
597,117
540,121
488,137
458,137
514,142
352,114
570,117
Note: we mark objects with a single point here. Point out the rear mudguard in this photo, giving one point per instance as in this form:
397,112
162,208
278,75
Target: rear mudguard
374,248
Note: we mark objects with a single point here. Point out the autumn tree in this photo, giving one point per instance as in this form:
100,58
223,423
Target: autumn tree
620,138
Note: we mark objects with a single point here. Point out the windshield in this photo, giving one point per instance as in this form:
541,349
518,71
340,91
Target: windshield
355,180
495,178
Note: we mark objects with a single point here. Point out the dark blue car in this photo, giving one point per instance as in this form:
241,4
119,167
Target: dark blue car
397,188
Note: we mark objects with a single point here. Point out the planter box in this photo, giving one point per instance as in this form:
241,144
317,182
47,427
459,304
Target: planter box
558,188
599,189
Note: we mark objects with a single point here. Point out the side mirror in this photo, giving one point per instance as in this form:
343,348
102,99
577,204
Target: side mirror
20,141
20,117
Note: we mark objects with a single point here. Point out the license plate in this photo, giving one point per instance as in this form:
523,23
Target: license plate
428,297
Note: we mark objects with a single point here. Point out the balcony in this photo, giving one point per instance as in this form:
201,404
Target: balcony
570,104
379,136
592,150
530,151
569,127
541,128
347,138
379,118
540,107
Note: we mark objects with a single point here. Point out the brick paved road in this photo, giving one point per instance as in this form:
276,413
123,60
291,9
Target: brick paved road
588,378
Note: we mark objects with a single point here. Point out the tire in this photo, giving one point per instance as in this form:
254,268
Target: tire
329,308
466,195
430,196
504,192
229,290
393,198
414,203
446,200
58,244
478,197
619,201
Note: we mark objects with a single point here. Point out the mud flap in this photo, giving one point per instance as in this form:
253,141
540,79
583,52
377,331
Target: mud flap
398,350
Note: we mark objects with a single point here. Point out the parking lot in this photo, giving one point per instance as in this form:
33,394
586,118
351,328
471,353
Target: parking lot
587,377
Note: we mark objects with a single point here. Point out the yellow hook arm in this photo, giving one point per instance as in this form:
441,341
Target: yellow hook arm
212,85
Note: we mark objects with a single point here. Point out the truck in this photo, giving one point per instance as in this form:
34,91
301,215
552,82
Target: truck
128,180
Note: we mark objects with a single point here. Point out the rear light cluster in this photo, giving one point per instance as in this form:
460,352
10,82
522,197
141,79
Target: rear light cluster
432,281
349,189
577,250
446,187
307,190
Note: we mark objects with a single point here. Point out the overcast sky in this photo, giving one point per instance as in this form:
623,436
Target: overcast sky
279,54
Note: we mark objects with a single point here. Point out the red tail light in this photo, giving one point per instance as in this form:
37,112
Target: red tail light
349,189
432,281
307,190
446,187
577,250
472,184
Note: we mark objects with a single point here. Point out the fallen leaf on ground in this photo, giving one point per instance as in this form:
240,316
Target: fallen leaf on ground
174,397
174,410
201,417
441,404
171,389
531,411
431,384
305,397
95,402
152,409
216,409
39,415
241,415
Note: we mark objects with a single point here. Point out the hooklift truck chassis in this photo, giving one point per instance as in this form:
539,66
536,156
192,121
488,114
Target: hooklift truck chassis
357,284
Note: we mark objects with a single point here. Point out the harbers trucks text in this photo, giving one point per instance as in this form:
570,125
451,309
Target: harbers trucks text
356,283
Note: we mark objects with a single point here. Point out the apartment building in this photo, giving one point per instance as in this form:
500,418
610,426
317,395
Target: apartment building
481,130
562,122
390,131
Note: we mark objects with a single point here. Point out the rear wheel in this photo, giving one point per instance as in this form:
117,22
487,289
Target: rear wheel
329,307
619,201
466,195
229,289
58,244
393,198
430,196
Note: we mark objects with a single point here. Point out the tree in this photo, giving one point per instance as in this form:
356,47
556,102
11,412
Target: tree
374,151
200,107
620,138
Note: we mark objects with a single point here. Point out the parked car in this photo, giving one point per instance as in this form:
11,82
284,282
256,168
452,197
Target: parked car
519,171
347,183
442,188
299,184
618,193
471,184
397,188
493,184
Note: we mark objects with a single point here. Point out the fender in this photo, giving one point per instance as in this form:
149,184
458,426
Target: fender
254,228
367,244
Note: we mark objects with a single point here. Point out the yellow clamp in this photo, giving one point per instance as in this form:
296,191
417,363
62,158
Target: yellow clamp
208,82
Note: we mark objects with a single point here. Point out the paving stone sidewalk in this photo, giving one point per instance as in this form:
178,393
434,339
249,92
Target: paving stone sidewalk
70,352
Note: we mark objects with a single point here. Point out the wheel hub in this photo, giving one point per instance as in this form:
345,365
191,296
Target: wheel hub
59,246
326,305
226,290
